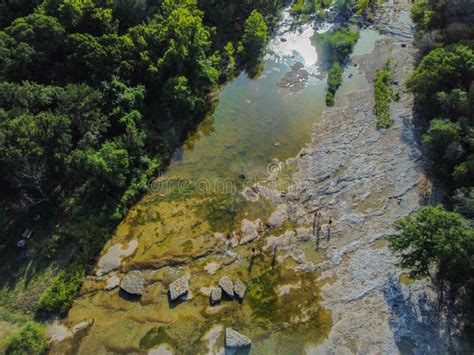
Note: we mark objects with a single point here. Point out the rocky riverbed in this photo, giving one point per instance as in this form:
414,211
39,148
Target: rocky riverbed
264,281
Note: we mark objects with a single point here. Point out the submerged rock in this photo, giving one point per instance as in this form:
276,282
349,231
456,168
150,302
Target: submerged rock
236,340
240,289
227,286
179,288
216,295
133,283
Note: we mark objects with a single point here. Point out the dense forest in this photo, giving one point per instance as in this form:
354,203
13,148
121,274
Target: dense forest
96,95
436,242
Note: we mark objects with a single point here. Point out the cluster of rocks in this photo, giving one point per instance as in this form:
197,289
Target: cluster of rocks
295,80
230,289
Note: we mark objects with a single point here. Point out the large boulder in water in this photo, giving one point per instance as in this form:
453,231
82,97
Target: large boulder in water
227,286
179,288
133,283
236,340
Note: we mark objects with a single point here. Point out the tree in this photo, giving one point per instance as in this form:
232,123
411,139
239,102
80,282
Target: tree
255,36
434,238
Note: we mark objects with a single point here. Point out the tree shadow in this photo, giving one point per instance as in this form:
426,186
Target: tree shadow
417,321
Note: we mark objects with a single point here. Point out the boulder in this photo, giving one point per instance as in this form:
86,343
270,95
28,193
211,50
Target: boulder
249,230
82,326
133,283
278,217
250,195
240,289
216,295
227,286
236,340
179,288
112,282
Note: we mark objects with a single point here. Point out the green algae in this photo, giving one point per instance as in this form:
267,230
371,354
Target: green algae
155,336
406,280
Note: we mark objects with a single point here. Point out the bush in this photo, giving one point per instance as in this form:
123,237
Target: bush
339,44
334,81
383,97
31,339
304,8
60,295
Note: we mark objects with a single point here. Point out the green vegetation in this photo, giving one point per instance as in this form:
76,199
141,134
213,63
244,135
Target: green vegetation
59,296
443,87
305,8
155,337
364,6
334,81
255,36
30,339
337,46
383,97
434,238
94,98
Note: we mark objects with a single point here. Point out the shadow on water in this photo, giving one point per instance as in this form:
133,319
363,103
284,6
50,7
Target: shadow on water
415,318
129,297
243,351
173,304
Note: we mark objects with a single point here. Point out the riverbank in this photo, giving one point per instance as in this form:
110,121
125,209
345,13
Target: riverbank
364,179
348,296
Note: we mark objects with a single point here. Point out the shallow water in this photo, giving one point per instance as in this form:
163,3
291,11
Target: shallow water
175,225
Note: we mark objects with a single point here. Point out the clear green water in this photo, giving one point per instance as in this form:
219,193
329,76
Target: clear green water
254,122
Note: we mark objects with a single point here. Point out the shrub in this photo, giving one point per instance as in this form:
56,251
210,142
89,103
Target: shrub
31,339
339,44
334,81
384,96
60,295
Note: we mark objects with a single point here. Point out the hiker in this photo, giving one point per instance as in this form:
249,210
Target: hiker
275,249
329,229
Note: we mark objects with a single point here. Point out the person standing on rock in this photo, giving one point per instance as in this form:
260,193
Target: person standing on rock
275,250
317,227
329,229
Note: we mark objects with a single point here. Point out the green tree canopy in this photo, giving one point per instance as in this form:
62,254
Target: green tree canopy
435,239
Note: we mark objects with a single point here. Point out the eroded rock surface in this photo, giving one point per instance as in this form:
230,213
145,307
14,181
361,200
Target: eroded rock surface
239,289
227,286
179,288
133,283
234,339
112,258
249,230
295,80
216,295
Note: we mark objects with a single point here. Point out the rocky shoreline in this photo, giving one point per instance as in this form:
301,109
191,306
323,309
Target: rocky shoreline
364,179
